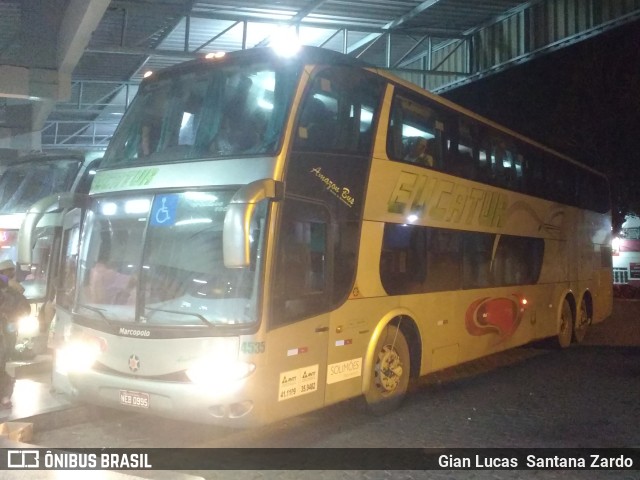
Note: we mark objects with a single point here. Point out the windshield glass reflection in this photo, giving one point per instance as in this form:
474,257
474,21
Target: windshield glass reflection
232,110
169,247
24,184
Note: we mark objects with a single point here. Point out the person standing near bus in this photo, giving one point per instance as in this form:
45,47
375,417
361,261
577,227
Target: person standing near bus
9,330
13,305
8,275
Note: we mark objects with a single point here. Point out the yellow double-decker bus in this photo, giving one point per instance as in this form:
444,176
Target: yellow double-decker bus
269,235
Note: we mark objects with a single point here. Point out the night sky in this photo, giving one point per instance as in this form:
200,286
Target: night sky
582,100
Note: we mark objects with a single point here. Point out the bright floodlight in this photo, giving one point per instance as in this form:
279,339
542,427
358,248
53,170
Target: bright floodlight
285,42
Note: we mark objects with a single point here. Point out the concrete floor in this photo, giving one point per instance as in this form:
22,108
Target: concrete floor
35,403
35,406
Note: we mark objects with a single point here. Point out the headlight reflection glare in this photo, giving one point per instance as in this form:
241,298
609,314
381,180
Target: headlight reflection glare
77,356
209,372
28,326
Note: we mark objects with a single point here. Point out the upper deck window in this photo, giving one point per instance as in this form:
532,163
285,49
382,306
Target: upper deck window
338,112
415,133
235,109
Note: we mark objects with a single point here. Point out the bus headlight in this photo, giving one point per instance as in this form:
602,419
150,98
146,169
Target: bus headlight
211,373
77,356
28,326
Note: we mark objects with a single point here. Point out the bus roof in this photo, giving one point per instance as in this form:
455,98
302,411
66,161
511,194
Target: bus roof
49,155
491,123
308,55
305,56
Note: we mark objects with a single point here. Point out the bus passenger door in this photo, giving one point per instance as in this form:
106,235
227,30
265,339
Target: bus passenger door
65,282
299,322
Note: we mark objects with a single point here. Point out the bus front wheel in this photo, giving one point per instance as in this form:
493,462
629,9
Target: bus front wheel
391,371
565,330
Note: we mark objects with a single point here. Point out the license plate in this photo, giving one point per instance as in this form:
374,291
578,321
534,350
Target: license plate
134,399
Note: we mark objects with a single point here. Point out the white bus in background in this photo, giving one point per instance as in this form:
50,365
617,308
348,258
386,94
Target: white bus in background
7,156
267,236
626,253
30,191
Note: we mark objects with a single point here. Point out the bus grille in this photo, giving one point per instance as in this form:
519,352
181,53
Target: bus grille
176,377
620,275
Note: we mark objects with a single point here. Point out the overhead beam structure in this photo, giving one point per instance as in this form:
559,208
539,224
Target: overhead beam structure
437,44
36,68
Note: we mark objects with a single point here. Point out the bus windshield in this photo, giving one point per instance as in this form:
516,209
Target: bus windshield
228,110
23,184
168,246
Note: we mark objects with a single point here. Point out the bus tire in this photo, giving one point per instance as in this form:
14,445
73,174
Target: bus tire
582,322
565,329
391,371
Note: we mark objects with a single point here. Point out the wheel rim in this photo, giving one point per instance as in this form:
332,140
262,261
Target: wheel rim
582,322
566,326
388,369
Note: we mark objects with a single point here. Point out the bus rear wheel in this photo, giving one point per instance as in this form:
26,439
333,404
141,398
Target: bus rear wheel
565,330
582,322
391,371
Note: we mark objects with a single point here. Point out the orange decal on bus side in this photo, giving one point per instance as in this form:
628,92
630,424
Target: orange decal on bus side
497,315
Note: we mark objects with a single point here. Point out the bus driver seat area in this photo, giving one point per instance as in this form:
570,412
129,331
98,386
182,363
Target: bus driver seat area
316,127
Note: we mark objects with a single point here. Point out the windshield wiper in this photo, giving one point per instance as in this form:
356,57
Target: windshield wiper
197,315
98,311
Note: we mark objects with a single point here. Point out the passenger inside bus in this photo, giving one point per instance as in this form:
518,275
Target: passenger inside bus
152,126
239,127
108,286
418,151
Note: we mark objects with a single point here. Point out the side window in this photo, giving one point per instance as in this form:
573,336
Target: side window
462,152
503,160
415,133
534,173
338,112
562,180
403,260
417,259
484,159
345,240
444,260
478,251
300,287
517,260
518,172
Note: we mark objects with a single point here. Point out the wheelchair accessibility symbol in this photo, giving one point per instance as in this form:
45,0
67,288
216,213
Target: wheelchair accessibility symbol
163,213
